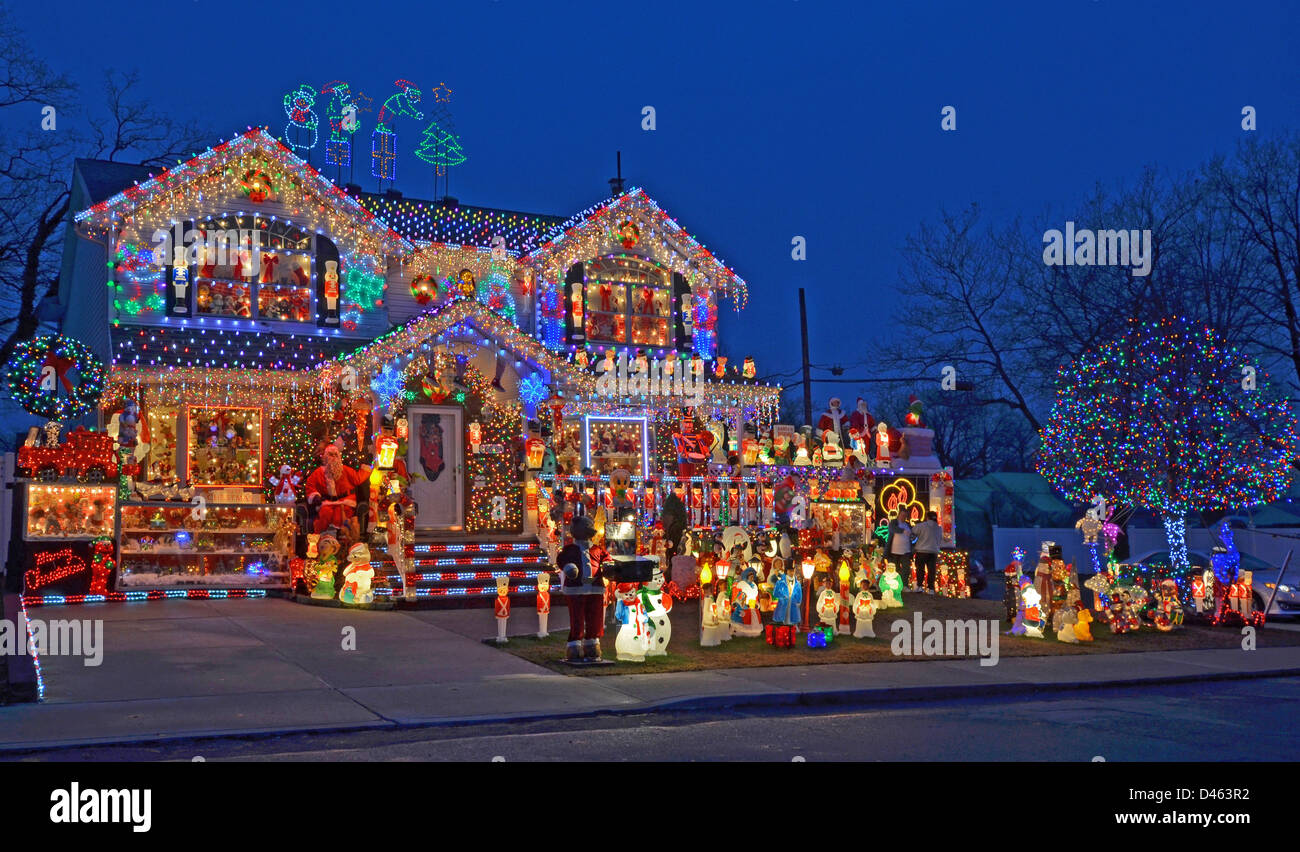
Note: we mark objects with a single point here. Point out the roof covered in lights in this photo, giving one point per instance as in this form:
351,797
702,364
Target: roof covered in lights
225,346
458,224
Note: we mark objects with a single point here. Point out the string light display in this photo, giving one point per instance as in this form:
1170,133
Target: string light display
210,184
1161,418
458,225
142,595
595,231
342,115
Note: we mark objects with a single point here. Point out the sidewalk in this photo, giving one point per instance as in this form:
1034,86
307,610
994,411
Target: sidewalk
175,669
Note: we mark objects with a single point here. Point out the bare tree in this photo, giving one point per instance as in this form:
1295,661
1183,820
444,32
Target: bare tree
965,286
1260,187
35,189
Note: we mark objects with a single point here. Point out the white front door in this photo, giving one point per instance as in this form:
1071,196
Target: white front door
434,459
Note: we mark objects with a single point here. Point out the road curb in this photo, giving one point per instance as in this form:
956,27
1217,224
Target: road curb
869,696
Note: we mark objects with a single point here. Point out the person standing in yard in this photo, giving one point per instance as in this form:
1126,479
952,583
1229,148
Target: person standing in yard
899,546
928,539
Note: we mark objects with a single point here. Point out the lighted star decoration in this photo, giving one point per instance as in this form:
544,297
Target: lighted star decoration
442,93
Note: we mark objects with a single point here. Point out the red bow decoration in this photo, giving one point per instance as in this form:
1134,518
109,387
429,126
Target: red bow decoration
61,366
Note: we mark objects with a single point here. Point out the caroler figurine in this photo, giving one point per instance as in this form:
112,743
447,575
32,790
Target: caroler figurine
745,617
864,610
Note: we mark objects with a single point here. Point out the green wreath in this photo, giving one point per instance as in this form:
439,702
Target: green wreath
41,379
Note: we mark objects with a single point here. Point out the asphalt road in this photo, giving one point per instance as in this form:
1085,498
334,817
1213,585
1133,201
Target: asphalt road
1246,720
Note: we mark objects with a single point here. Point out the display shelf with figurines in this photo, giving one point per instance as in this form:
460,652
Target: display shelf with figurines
62,512
221,545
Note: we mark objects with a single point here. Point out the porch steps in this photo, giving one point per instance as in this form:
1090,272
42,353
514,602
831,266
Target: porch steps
455,571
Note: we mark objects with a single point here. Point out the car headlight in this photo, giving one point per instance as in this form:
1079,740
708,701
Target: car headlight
1286,589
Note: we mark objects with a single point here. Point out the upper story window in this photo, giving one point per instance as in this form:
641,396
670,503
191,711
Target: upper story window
273,283
628,300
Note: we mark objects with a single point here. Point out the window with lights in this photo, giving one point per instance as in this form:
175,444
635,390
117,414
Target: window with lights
628,300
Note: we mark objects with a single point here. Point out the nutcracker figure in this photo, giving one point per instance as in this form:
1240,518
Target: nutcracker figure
543,603
501,608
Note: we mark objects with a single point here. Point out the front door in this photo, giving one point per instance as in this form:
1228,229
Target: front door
434,458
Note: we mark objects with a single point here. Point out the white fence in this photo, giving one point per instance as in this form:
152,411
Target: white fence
1269,545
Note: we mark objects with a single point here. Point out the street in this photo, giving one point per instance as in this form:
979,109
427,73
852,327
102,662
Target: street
1240,720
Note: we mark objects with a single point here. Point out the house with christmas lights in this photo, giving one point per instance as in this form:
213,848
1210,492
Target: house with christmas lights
487,365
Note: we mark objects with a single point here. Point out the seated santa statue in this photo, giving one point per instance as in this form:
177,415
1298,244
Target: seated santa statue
332,488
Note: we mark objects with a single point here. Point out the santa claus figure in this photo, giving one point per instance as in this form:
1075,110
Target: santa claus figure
861,419
332,489
833,419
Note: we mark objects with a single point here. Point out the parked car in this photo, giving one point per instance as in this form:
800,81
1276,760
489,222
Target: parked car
1263,579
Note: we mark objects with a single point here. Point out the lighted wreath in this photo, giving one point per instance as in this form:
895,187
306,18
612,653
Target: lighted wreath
257,185
55,377
424,288
629,234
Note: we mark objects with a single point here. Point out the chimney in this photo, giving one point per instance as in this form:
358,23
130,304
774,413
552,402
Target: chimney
616,183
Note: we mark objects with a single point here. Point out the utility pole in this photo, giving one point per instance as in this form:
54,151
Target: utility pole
807,379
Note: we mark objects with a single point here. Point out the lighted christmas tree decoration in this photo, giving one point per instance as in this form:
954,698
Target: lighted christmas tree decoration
1159,419
292,447
55,377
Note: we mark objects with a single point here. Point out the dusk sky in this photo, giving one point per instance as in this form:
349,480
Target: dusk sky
774,119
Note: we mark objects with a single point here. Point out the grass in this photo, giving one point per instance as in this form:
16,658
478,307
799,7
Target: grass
685,653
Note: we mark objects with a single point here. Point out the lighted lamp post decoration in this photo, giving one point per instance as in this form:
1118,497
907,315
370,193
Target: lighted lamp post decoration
1172,418
807,568
383,141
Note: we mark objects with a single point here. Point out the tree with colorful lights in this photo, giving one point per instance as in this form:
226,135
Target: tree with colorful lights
1171,418
292,444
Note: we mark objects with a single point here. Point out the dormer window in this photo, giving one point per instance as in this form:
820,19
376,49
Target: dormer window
628,301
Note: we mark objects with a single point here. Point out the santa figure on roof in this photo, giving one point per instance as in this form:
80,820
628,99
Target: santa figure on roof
861,419
833,419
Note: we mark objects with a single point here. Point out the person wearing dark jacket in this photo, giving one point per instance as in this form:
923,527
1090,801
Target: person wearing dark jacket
928,540
898,548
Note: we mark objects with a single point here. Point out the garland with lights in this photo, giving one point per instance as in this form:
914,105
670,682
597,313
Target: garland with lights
40,377
1159,418
211,183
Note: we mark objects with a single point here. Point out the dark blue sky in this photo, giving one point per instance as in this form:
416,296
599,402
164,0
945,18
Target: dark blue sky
774,118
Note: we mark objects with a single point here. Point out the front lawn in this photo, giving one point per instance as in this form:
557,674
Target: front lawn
685,653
